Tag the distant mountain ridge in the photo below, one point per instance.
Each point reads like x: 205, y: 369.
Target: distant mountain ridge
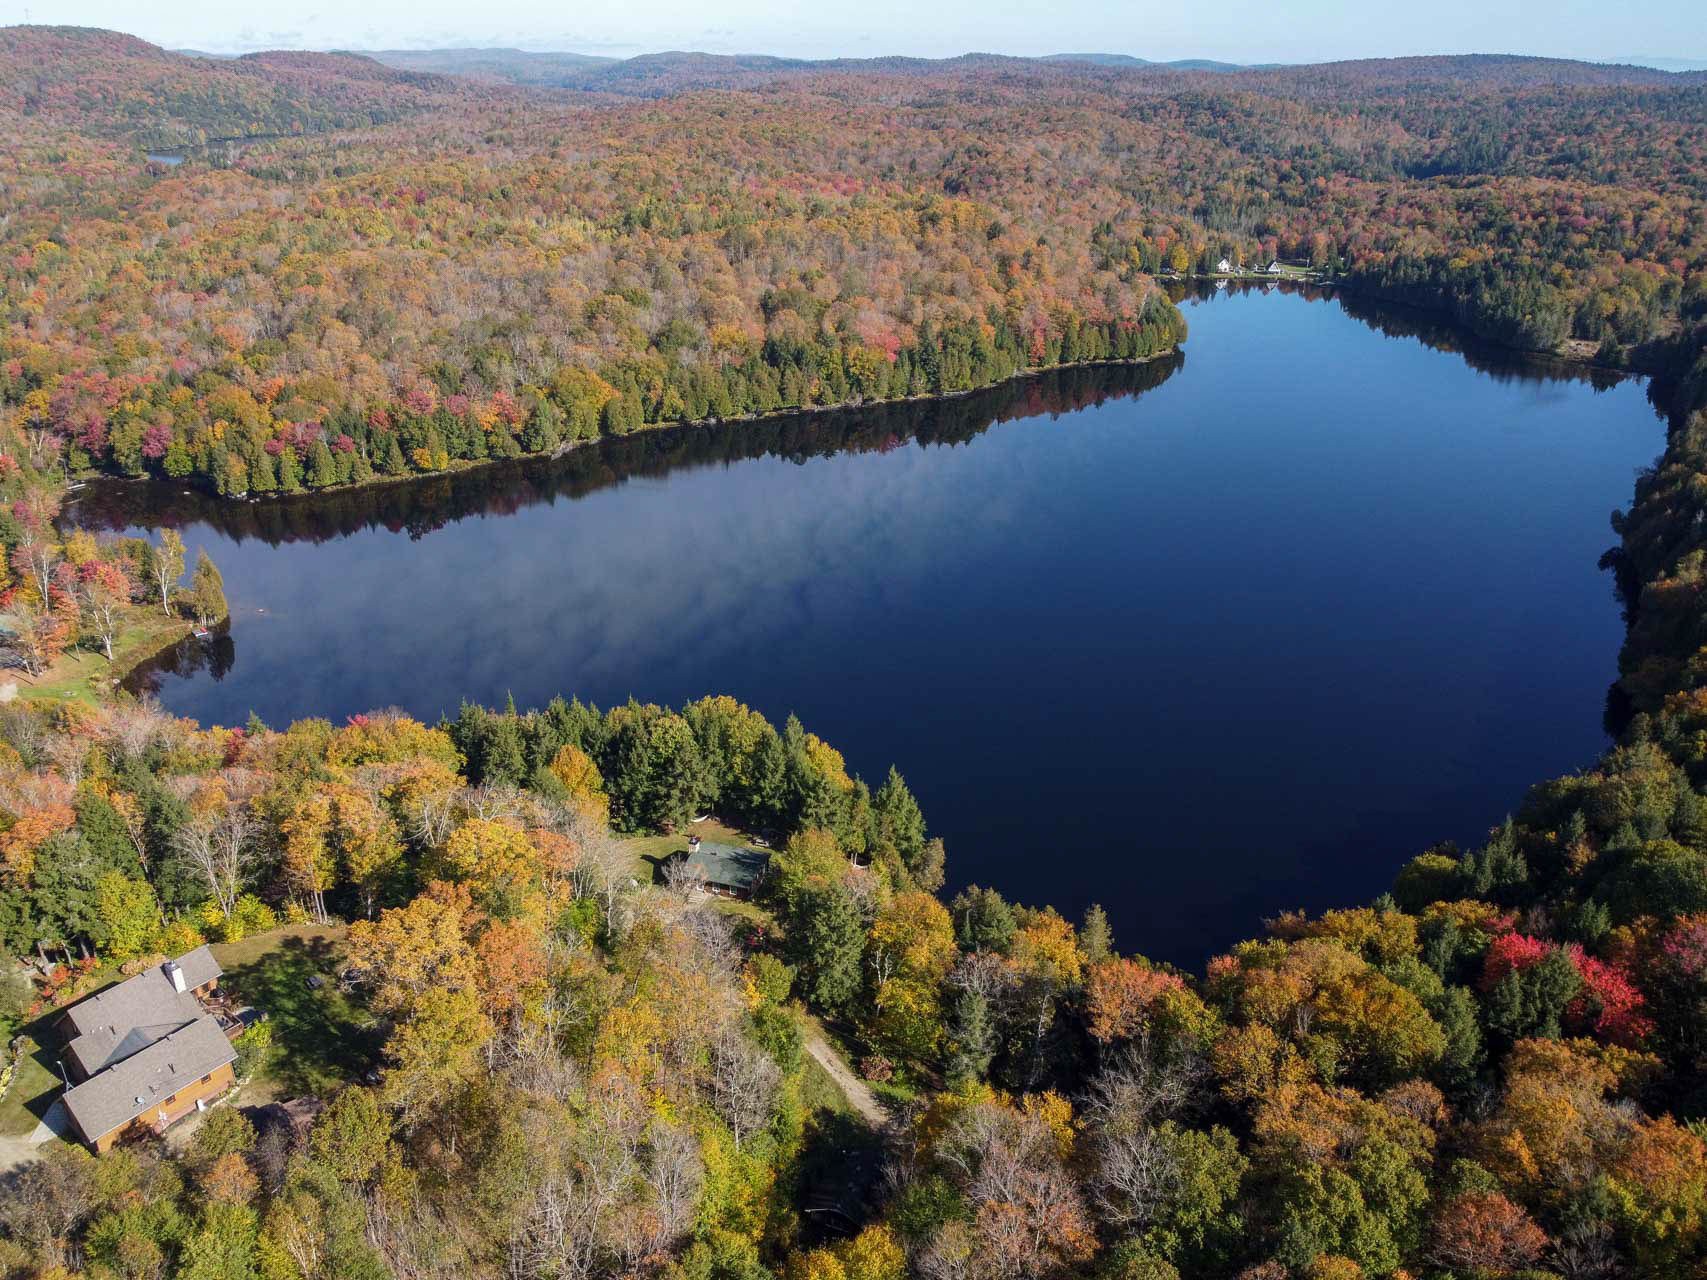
x: 1178, y: 64
x: 653, y: 74
x: 110, y: 84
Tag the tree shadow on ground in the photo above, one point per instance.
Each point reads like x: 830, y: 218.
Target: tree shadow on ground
x: 321, y: 1036
x: 839, y: 1176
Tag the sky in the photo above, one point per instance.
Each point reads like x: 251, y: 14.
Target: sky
x: 1657, y: 31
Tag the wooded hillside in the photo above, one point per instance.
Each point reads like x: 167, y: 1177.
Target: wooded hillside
x: 392, y: 272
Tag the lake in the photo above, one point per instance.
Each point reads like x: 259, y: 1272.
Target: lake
x: 1199, y: 640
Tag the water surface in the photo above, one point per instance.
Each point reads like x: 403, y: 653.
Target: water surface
x: 1200, y: 641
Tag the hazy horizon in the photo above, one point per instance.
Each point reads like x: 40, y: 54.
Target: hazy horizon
x: 1240, y: 31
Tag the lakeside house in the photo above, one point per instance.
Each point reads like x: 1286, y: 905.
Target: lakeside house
x: 1224, y: 266
x: 1274, y: 268
x: 728, y: 870
x: 146, y: 1053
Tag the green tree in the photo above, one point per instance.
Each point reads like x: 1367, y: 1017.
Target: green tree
x: 206, y: 599
x: 1096, y: 938
x: 129, y: 915
x: 899, y: 818
x: 290, y: 471
x: 972, y: 1037
x: 322, y: 467
x: 983, y: 920
x: 826, y: 945
x: 352, y: 1136
x: 1531, y: 1002
x: 656, y: 777
x: 223, y: 1247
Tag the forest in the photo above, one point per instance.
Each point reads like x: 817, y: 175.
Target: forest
x: 344, y: 271
x: 517, y: 1044
x: 1498, y: 1069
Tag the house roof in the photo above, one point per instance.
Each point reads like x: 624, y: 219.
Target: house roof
x: 146, y: 1079
x: 199, y: 966
x: 728, y: 866
x: 125, y: 1019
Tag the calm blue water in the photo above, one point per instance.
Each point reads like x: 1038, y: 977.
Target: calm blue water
x: 1241, y: 640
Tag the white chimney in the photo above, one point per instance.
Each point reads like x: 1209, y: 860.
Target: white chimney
x: 174, y: 975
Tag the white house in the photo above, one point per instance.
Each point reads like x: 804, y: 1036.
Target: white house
x: 1223, y: 266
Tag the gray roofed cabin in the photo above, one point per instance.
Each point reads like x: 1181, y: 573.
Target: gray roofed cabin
x: 127, y: 1018
x: 163, y: 1083
x: 147, y: 1051
x: 733, y: 871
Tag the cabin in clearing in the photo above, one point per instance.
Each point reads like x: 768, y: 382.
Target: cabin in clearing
x: 731, y: 871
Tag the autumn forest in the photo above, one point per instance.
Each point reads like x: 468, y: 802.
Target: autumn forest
x: 507, y: 1035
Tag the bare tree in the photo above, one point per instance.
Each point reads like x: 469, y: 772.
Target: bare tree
x: 166, y: 566
x: 744, y: 1082
x: 558, y: 1234
x: 102, y: 602
x: 676, y: 1173
x: 221, y: 846
x: 1587, y: 1251
x: 683, y: 879
x: 433, y: 819
x: 39, y: 553
x: 493, y: 803
x: 133, y: 731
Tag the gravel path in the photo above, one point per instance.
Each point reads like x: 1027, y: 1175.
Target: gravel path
x: 858, y: 1092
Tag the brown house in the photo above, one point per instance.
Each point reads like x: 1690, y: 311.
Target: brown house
x: 146, y: 1053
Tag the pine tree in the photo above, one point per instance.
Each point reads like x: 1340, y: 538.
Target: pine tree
x: 263, y: 474
x: 971, y: 1038
x: 544, y: 429
x: 1096, y: 939
x: 290, y: 471
x: 900, y: 820
x: 322, y: 467
x: 828, y: 943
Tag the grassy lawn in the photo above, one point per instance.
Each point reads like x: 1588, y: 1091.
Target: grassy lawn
x: 81, y: 675
x: 321, y: 1037
x: 37, y: 1083
x: 819, y: 1092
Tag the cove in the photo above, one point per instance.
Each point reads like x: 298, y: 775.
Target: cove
x: 1201, y: 640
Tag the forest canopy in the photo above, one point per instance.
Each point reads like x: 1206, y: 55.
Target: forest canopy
x: 511, y: 1034
x: 358, y: 271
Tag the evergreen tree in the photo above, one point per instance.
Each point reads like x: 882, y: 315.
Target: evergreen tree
x: 1530, y: 1003
x: 971, y: 1038
x: 322, y: 467
x: 983, y: 920
x: 899, y: 818
x: 263, y: 472
x: 290, y: 471
x: 544, y: 429
x: 1096, y: 939
x: 826, y: 942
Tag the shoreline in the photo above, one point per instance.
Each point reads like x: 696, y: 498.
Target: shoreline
x: 1577, y: 352
x: 111, y: 679
x: 1575, y: 359
x: 463, y: 465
